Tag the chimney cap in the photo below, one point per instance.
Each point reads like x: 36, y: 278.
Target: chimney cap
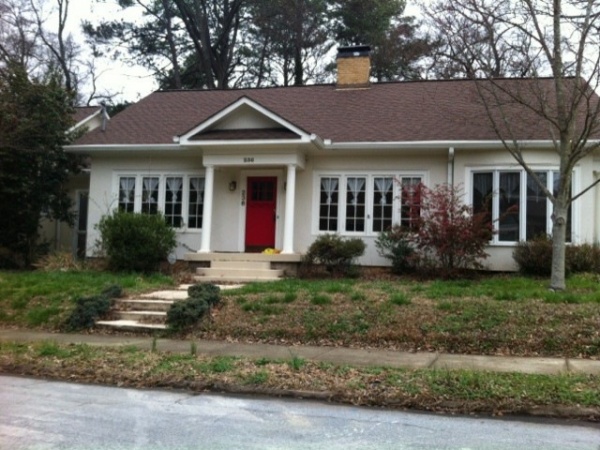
x: 354, y: 51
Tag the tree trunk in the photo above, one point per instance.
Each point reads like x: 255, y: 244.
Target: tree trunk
x: 559, y: 233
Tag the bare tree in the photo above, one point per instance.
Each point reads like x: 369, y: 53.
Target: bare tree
x: 555, y: 38
x: 213, y: 27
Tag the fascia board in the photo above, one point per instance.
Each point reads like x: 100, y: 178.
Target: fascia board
x: 122, y: 147
x: 82, y: 123
x: 474, y: 145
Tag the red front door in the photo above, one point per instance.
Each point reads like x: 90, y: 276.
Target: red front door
x: 261, y: 213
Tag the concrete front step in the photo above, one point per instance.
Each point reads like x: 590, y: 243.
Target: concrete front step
x: 248, y: 265
x: 130, y: 325
x: 166, y: 295
x: 253, y: 274
x: 142, y: 316
x: 230, y: 279
x: 143, y: 305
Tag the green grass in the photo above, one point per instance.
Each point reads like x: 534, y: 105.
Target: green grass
x: 454, y: 390
x: 399, y: 299
x: 42, y: 299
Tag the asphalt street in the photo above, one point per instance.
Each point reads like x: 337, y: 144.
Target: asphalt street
x: 38, y: 414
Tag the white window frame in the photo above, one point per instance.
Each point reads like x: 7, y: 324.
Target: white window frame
x: 369, y: 193
x: 496, y: 170
x: 162, y: 176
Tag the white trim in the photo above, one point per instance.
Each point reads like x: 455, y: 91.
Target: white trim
x: 244, y: 101
x: 247, y: 160
x: 436, y: 145
x: 82, y: 123
x: 122, y: 147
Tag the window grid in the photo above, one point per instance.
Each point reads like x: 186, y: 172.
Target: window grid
x: 328, y: 204
x: 178, y: 197
x: 355, y: 204
x: 174, y: 201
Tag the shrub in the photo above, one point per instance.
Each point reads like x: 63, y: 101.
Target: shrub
x: 185, y: 314
x: 583, y: 258
x: 394, y: 244
x: 89, y: 309
x: 210, y: 293
x: 86, y: 311
x: 136, y: 242
x: 335, y: 253
x: 534, y: 257
x: 445, y: 233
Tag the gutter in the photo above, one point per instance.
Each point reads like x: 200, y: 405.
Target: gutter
x: 99, y: 148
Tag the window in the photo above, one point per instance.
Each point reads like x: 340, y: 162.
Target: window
x: 179, y: 197
x: 328, y: 204
x: 365, y: 203
x: 127, y: 194
x: 355, y: 204
x: 174, y: 201
x: 515, y: 203
x: 150, y: 187
x: 410, y: 203
x: 196, y: 202
x: 383, y: 200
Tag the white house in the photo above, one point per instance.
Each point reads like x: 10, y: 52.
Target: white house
x: 242, y: 170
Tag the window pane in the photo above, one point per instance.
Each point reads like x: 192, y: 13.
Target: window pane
x: 355, y: 204
x: 126, y: 194
x: 174, y: 201
x: 509, y: 200
x: 328, y: 203
x: 196, y: 202
x: 150, y: 195
x: 483, y: 188
x: 537, y: 206
x: 383, y: 199
x: 556, y: 179
x: 410, y: 207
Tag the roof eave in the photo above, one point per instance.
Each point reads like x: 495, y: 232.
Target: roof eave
x: 435, y: 145
x: 102, y: 148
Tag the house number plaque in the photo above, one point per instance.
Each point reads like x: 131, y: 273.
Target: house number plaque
x: 248, y: 159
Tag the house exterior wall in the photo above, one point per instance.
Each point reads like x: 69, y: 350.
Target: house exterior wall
x: 229, y: 210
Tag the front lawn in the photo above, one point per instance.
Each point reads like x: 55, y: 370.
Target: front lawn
x: 504, y: 315
x: 44, y: 299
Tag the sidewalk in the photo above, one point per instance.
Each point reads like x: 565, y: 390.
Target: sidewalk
x: 336, y: 355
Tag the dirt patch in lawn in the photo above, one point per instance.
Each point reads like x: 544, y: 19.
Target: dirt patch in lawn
x: 408, y: 317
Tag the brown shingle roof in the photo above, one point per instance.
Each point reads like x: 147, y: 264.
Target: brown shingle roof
x: 388, y: 112
x: 83, y: 112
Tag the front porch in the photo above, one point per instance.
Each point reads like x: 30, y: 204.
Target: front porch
x: 233, y: 267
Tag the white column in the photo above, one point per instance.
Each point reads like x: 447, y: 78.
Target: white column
x: 290, y: 206
x: 209, y: 181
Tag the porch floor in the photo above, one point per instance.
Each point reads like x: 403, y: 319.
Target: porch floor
x: 232, y: 256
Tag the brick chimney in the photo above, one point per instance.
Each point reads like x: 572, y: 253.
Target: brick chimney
x: 353, y: 67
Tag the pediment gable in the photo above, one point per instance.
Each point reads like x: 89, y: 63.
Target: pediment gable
x: 244, y: 120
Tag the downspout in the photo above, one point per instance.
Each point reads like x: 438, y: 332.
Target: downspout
x: 596, y: 175
x: 451, y: 166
